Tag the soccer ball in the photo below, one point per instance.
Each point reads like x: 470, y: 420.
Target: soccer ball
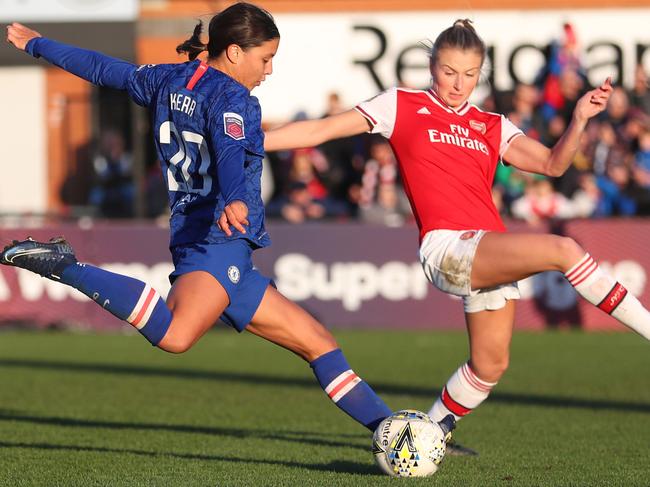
x: 410, y: 444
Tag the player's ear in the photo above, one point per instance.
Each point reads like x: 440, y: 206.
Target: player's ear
x: 233, y: 53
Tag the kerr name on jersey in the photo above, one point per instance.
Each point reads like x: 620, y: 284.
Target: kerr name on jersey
x: 458, y: 136
x: 182, y: 103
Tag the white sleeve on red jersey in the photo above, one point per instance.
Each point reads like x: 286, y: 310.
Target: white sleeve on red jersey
x: 509, y: 132
x: 380, y: 111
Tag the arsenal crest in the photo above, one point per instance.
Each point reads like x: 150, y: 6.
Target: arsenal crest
x: 233, y: 125
x: 480, y: 127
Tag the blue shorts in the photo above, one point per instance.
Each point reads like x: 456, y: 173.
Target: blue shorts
x: 229, y: 263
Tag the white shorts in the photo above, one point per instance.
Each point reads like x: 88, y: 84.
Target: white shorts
x: 447, y: 257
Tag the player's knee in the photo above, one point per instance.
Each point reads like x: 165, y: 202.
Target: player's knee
x: 490, y: 368
x: 568, y: 251
x: 176, y: 343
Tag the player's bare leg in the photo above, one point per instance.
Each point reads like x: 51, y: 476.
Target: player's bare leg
x: 196, y: 301
x: 502, y: 258
x: 490, y: 334
x: 284, y: 323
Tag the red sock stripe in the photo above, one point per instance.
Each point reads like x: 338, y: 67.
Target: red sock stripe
x: 453, y: 406
x: 582, y: 272
x: 613, y: 298
x: 343, y: 383
x: 470, y: 376
x: 572, y: 272
x: 144, y: 308
x: 588, y: 272
x: 200, y: 71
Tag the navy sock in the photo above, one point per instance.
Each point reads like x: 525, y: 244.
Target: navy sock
x: 348, y: 391
x: 127, y: 298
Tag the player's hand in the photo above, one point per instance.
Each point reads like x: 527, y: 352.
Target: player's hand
x: 593, y: 102
x: 19, y: 35
x: 235, y: 214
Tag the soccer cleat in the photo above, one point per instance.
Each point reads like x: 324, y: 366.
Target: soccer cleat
x: 47, y: 259
x: 448, y: 424
x: 456, y: 450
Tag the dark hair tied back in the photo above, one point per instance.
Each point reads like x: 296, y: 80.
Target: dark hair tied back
x: 243, y: 24
x: 193, y: 46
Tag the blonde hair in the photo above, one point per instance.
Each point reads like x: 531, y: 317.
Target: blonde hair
x: 460, y: 35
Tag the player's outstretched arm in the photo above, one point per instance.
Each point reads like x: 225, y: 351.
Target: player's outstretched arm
x: 92, y: 66
x: 529, y: 155
x: 310, y: 133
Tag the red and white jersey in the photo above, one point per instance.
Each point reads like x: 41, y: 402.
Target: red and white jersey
x: 447, y: 157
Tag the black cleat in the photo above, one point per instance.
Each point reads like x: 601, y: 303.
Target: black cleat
x: 47, y: 259
x: 456, y: 450
x: 448, y: 424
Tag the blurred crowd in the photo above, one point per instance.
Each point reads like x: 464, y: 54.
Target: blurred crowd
x: 357, y: 178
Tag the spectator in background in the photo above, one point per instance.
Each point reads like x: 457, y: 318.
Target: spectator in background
x: 306, y: 197
x: 642, y: 160
x: 640, y: 93
x: 381, y: 168
x: 345, y: 159
x: 298, y: 205
x: 524, y: 113
x: 388, y: 207
x: 541, y: 202
x: 588, y: 199
x: 616, y: 186
x: 617, y: 113
x: 113, y: 190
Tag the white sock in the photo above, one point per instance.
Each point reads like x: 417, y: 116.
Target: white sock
x: 610, y: 296
x: 463, y: 392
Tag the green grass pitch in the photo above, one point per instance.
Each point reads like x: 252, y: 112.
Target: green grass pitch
x: 110, y: 410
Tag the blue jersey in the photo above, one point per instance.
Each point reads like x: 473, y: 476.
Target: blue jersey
x: 207, y: 131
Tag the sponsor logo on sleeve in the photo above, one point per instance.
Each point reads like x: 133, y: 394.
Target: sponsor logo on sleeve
x: 233, y: 125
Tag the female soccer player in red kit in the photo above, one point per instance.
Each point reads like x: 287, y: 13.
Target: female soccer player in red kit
x: 448, y: 151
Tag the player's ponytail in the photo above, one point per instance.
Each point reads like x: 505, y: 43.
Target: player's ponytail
x: 461, y: 35
x: 243, y: 24
x: 193, y: 46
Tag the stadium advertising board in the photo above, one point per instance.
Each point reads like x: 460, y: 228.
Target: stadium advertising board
x: 347, y: 275
x: 358, y: 54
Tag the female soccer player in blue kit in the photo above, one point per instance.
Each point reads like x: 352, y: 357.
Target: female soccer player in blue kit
x: 210, y: 143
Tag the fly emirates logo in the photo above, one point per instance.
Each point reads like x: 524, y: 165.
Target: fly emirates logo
x: 459, y: 136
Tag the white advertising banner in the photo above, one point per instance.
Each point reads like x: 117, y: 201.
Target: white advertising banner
x: 68, y: 10
x: 358, y: 54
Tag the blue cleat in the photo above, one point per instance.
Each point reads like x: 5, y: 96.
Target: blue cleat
x: 47, y: 259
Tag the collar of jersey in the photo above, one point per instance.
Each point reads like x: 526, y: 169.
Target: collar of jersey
x: 462, y: 110
x: 221, y: 73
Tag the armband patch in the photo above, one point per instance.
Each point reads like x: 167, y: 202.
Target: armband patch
x: 233, y: 125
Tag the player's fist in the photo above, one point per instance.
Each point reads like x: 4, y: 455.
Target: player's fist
x: 19, y: 35
x: 235, y: 214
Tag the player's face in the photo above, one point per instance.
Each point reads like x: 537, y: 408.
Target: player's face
x: 455, y: 74
x: 257, y: 63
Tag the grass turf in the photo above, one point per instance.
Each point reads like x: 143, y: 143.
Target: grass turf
x: 573, y: 410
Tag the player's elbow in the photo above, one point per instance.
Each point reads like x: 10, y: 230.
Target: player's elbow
x: 555, y: 172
